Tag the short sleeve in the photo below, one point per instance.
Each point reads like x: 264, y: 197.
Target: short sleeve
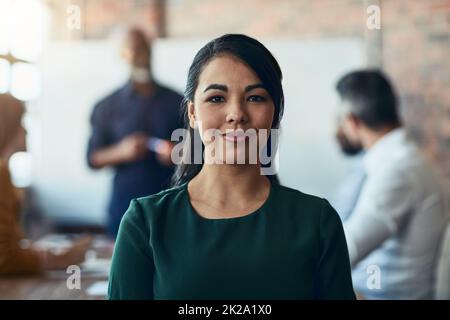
x: 132, y: 267
x: 333, y: 274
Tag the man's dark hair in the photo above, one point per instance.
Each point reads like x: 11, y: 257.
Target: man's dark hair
x: 372, y: 97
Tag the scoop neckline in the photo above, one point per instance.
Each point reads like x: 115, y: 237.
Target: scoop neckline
x: 247, y: 216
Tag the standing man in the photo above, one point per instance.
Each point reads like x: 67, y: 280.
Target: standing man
x: 131, y: 130
x: 395, y: 229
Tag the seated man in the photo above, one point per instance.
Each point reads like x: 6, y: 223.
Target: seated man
x: 348, y: 193
x: 395, y: 230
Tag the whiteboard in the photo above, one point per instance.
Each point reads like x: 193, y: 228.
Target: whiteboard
x: 76, y: 75
x: 309, y: 158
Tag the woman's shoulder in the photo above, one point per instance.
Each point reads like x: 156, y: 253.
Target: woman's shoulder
x: 159, y: 202
x: 147, y: 209
x: 294, y: 195
x: 306, y: 203
x: 162, y: 196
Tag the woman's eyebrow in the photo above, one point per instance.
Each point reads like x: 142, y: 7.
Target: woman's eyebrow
x: 216, y: 87
x: 222, y: 87
x: 254, y: 86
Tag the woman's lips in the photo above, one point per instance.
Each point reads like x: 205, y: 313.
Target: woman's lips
x: 236, y: 136
x: 233, y: 138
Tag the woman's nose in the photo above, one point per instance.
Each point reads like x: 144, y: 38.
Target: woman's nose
x: 237, y: 113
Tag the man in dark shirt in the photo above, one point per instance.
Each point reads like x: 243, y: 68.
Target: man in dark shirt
x: 131, y: 130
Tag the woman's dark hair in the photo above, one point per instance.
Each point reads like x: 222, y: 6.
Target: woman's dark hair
x: 373, y: 99
x: 259, y: 59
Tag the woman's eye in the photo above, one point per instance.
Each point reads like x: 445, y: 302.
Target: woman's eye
x: 216, y: 99
x: 256, y: 99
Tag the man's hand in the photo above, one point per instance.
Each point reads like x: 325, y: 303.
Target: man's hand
x: 132, y: 147
x: 164, y: 153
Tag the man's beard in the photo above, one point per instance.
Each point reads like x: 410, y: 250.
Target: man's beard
x: 348, y: 147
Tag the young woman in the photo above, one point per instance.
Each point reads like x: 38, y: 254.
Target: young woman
x: 17, y: 254
x: 225, y: 231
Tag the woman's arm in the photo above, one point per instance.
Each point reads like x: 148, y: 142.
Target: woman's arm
x: 132, y: 266
x: 16, y: 256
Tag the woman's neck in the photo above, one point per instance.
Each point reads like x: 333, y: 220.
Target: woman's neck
x: 225, y: 184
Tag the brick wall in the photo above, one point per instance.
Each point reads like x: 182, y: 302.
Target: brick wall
x: 416, y: 53
x: 99, y: 18
x: 265, y: 17
x: 413, y: 45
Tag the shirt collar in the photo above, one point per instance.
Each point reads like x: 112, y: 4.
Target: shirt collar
x: 128, y: 89
x: 386, y: 146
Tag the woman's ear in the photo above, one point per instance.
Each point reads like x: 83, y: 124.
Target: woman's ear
x: 191, y: 115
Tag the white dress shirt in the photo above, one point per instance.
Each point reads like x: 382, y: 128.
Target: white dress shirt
x: 348, y: 192
x: 395, y: 230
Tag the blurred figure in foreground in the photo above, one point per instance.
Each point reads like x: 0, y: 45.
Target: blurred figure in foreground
x: 17, y: 254
x: 131, y: 130
x: 395, y: 229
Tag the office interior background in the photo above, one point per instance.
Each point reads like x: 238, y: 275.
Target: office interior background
x: 61, y: 56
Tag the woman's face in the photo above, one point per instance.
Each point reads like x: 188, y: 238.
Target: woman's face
x: 18, y: 141
x: 230, y: 99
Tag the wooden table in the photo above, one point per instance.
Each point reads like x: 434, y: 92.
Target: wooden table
x: 43, y: 288
x: 53, y: 285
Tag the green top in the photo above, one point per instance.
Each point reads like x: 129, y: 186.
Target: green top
x: 292, y: 247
